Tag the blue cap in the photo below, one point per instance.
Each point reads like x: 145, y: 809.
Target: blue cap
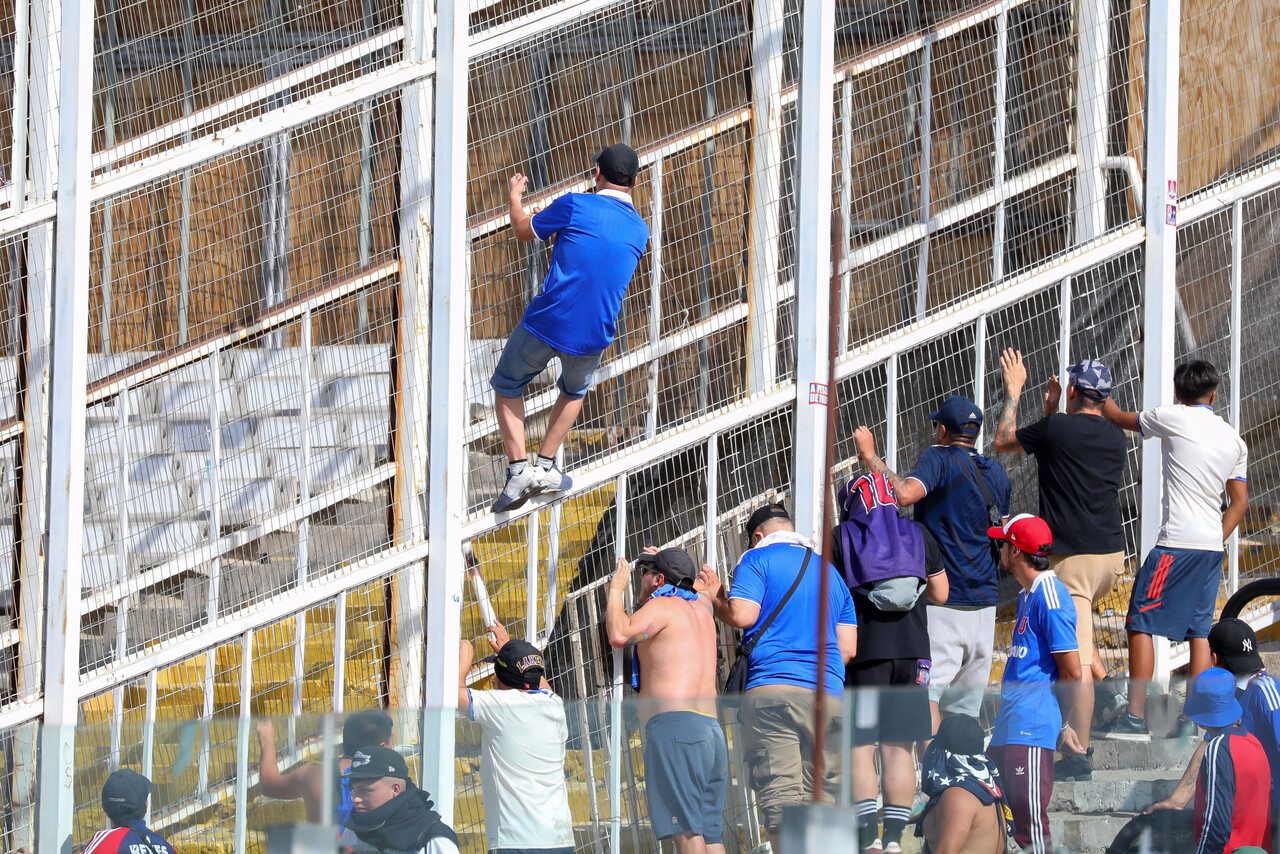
x: 1090, y: 375
x: 1212, y: 701
x: 955, y: 412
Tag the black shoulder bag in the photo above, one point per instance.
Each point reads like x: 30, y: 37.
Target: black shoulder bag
x: 735, y: 682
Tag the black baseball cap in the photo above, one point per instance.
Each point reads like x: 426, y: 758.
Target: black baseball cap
x: 619, y: 163
x: 955, y: 412
x: 763, y: 514
x: 124, y: 795
x: 374, y: 763
x: 1234, y: 642
x: 675, y: 565
x: 519, y: 664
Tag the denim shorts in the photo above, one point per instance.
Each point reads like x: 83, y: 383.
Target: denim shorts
x: 526, y: 355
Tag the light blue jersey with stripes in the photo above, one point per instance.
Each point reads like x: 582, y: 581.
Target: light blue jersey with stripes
x: 1045, y: 624
x: 1261, y: 702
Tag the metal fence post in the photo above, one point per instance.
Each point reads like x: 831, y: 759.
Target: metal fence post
x: 767, y: 36
x: 412, y: 352
x: 1236, y: 368
x: 70, y: 339
x: 1160, y: 286
x: 450, y: 319
x: 813, y: 260
x: 1091, y: 118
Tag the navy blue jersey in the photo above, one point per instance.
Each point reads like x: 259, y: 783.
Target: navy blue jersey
x: 1261, y: 702
x: 137, y: 838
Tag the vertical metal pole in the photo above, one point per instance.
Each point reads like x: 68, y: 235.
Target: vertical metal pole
x: 712, y: 556
x: 450, y: 327
x: 553, y: 566
x: 531, y: 576
x: 813, y: 260
x: 243, y: 731
x: 1160, y: 212
x: 364, y: 227
x: 42, y: 130
x: 1064, y: 341
x: 304, y: 469
x: 891, y: 412
x: 340, y: 654
x: 1001, y: 128
x: 711, y: 61
x: 655, y: 291
x: 1236, y: 368
x: 213, y: 473
x: 149, y: 731
x: 56, y: 817
x: 615, y: 691
x: 202, y: 762
x: 980, y: 370
x: 1091, y: 118
x: 926, y: 168
x: 109, y: 139
x: 21, y: 65
x: 184, y: 179
x: 846, y: 209
x: 413, y: 351
x: 767, y: 36
x: 299, y: 684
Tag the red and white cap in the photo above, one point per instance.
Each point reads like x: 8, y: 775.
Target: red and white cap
x: 1027, y: 532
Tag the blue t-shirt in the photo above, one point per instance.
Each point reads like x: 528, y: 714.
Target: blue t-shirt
x: 955, y: 512
x: 786, y: 653
x: 599, y: 241
x: 1261, y: 702
x: 1046, y: 623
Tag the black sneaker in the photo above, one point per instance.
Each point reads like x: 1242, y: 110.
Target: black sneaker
x: 1078, y: 767
x: 1125, y: 727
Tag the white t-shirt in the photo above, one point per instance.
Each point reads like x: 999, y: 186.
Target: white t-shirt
x: 1200, y: 452
x: 523, y: 735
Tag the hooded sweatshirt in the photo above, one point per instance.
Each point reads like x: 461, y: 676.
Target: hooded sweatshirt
x: 406, y: 823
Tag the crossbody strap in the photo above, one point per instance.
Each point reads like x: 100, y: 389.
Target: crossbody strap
x: 993, y: 512
x: 804, y: 566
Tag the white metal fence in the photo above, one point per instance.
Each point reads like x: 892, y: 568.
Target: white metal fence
x: 247, y: 341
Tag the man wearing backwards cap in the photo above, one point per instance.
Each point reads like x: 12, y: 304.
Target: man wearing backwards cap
x: 1080, y: 461
x: 599, y: 239
x: 951, y: 505
x: 1029, y: 726
x: 1232, y: 792
x: 686, y: 759
x: 391, y: 813
x: 523, y: 732
x: 778, y: 726
x: 124, y: 800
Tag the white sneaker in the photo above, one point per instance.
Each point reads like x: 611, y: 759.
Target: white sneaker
x: 518, y: 489
x: 893, y: 848
x: 551, y: 480
x: 874, y: 846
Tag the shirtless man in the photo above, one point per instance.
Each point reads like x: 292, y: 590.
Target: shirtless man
x: 685, y: 754
x: 963, y: 786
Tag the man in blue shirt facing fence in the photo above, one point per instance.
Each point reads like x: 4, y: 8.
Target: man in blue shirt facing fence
x: 599, y: 239
x: 1030, y: 726
x: 124, y: 800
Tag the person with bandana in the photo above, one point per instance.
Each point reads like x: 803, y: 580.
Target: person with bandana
x: 389, y: 812
x: 685, y: 755
x: 966, y: 811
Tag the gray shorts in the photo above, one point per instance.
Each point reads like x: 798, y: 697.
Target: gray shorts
x: 686, y: 765
x: 960, y: 643
x: 526, y: 355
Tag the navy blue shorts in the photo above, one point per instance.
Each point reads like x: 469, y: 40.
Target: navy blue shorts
x: 526, y: 355
x: 686, y: 765
x: 1175, y: 593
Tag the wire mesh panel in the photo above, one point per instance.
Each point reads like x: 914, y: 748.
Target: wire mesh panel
x: 168, y: 70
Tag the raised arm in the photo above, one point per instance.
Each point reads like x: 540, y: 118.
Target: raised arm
x: 521, y: 222
x: 301, y: 782
x: 466, y: 655
x: 627, y: 630
x: 1117, y: 416
x: 1015, y: 377
x: 738, y: 613
x: 905, y: 490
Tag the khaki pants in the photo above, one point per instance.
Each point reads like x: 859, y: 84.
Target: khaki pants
x: 1088, y: 578
x: 778, y: 737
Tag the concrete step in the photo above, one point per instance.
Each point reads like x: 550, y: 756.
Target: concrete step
x: 1126, y: 790
x: 1159, y: 753
x: 1085, y: 833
